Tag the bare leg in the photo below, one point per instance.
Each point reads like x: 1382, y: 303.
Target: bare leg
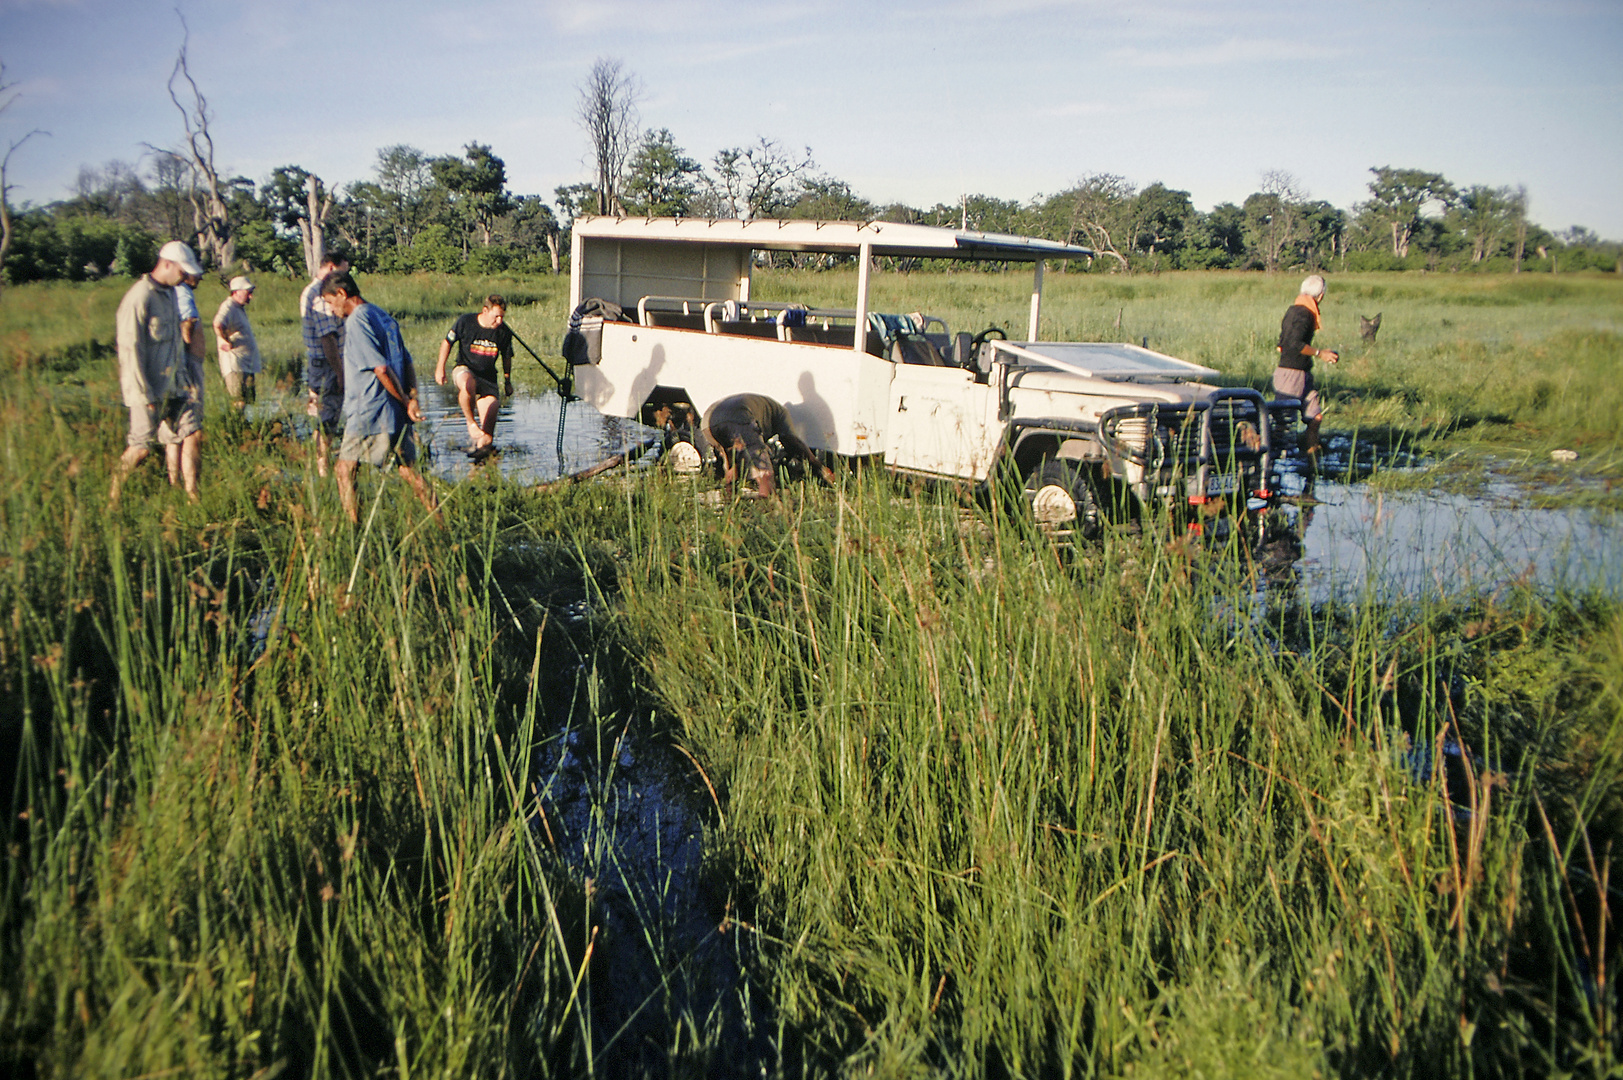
x: 1310, y: 439
x: 171, y: 458
x: 191, y: 453
x: 465, y: 398
x: 127, y: 462
x: 346, y: 488
x: 487, y: 416
x: 323, y: 448
x: 420, y: 486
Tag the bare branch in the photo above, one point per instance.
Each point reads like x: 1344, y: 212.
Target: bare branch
x: 607, y: 110
x: 5, y: 164
x: 209, y: 212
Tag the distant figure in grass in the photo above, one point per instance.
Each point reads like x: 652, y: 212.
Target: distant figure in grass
x: 480, y: 340
x: 738, y: 427
x: 380, y: 393
x: 186, y: 457
x: 1293, y: 378
x: 152, y: 373
x: 323, y: 357
x: 234, y: 341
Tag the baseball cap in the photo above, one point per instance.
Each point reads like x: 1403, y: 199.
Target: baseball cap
x: 181, y: 255
x: 239, y: 283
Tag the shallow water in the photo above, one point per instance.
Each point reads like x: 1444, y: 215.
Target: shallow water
x: 526, y: 436
x: 1412, y: 544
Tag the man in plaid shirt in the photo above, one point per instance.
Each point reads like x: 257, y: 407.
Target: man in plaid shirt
x: 323, y: 351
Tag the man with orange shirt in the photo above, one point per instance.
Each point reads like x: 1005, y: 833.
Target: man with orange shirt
x: 1293, y: 378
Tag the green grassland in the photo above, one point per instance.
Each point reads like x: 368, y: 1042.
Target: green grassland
x: 975, y: 804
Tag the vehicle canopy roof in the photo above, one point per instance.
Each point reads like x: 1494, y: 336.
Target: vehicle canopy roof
x: 883, y: 238
x: 626, y: 258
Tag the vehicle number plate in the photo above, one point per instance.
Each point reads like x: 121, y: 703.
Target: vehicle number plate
x: 1222, y: 484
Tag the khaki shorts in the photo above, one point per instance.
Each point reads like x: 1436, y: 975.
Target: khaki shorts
x: 164, y: 423
x: 1293, y: 382
x: 381, y: 450
x: 326, y: 394
x: 239, y: 384
x: 479, y: 386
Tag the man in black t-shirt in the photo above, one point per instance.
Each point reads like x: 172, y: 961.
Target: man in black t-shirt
x: 481, y: 340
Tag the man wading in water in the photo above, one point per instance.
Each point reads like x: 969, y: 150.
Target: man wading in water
x: 380, y: 394
x: 480, y: 340
x: 1293, y: 378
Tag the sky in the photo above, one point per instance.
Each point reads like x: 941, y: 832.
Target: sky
x: 905, y: 100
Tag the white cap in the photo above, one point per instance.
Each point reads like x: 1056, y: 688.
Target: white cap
x: 181, y: 256
x: 239, y: 283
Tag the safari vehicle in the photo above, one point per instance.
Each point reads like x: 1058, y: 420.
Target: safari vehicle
x: 1085, y: 426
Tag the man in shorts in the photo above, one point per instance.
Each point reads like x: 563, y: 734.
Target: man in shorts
x: 380, y: 394
x: 739, y: 426
x: 1293, y: 378
x: 323, y: 353
x: 165, y: 405
x: 480, y: 340
x: 234, y: 341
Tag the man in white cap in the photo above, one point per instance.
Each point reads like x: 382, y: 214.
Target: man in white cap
x: 1293, y: 378
x: 234, y: 338
x: 164, y: 407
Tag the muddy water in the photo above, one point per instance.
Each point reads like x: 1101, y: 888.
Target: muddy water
x: 526, y: 436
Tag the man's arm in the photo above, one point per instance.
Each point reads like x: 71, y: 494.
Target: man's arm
x: 193, y: 340
x: 406, y: 397
x: 439, y: 367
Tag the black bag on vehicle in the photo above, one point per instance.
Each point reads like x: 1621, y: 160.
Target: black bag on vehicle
x: 583, y: 341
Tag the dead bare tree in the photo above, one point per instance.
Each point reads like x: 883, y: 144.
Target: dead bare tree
x: 608, y: 111
x: 209, y: 214
x: 8, y: 95
x: 312, y: 228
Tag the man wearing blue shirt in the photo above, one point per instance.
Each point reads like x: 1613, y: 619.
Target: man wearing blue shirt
x: 380, y: 394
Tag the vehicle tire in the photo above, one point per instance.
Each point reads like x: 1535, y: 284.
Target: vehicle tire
x: 1059, y: 493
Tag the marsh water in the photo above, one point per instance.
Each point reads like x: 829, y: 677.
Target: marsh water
x: 1351, y: 535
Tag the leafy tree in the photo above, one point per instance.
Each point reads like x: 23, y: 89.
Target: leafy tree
x: 1485, y: 217
x: 1273, y: 219
x: 661, y: 180
x: 826, y: 199
x: 1215, y: 240
x: 1399, y: 198
x: 1160, y: 219
x: 1098, y: 212
x: 405, y: 175
x: 575, y: 200
x: 762, y: 180
x: 475, y: 187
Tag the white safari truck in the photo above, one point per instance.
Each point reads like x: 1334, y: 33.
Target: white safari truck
x: 1087, y: 427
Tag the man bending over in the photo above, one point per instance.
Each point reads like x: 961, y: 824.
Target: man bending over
x: 739, y: 427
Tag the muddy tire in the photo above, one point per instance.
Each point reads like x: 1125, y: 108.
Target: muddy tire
x: 1060, y: 494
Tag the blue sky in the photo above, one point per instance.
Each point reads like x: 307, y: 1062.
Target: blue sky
x: 907, y: 101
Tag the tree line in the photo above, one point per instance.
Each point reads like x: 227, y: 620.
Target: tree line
x: 455, y: 212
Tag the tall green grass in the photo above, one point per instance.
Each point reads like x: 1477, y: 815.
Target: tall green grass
x: 980, y: 804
